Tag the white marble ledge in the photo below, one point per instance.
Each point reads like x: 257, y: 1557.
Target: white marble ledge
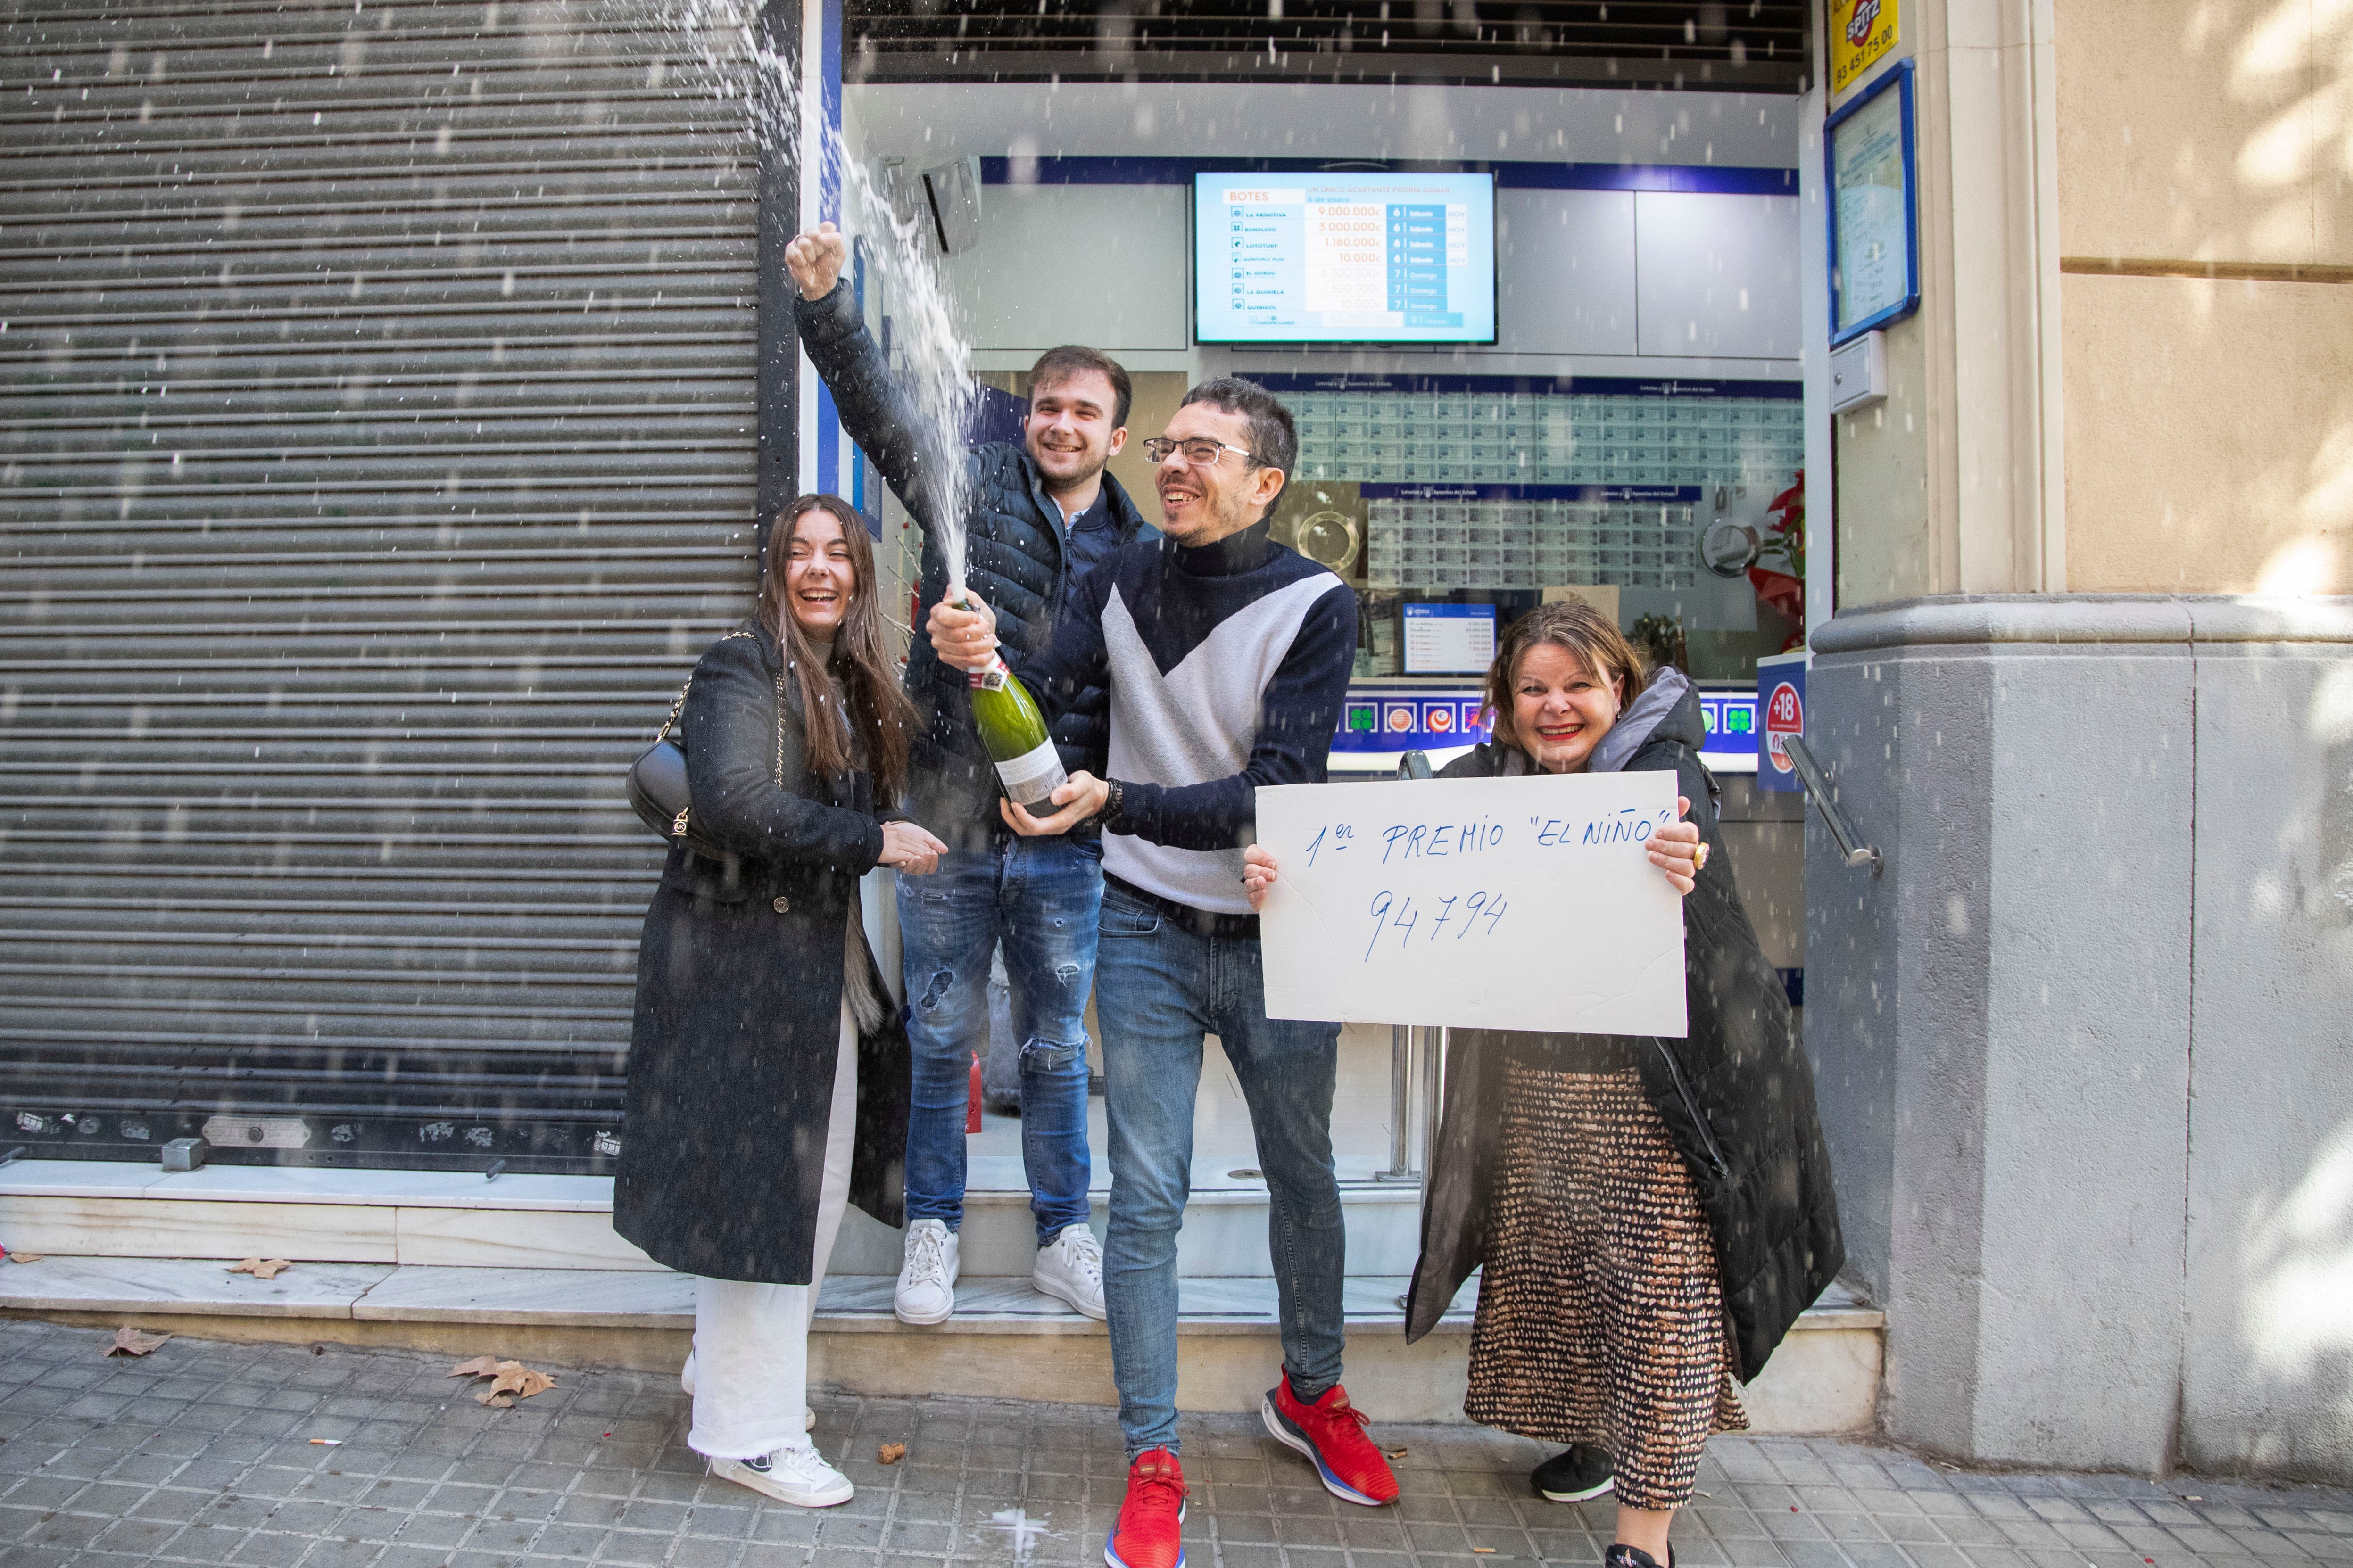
x: 1001, y: 1179
x: 76, y: 1178
x: 862, y: 1303
x: 469, y: 1190
x: 636, y: 1299
x: 305, y: 1184
x: 178, y: 1285
x: 1208, y: 1193
x: 1840, y: 1307
x: 651, y: 1298
x: 548, y: 1298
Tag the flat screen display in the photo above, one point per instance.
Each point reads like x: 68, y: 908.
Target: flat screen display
x: 1344, y: 258
x: 1449, y: 639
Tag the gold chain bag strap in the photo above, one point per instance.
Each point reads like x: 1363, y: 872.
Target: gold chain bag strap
x: 656, y: 780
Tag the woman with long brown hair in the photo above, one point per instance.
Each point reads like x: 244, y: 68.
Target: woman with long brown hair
x: 768, y: 1072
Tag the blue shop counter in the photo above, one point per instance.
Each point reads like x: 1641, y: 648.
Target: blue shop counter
x: 1382, y: 719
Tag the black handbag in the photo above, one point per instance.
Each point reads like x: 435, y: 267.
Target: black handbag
x: 657, y: 782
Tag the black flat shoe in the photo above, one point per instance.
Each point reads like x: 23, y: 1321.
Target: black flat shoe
x: 1622, y: 1555
x: 1578, y: 1475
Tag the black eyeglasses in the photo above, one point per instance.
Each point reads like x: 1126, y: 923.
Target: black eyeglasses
x: 1199, y: 450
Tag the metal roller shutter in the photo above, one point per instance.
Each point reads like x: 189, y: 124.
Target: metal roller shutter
x: 376, y: 454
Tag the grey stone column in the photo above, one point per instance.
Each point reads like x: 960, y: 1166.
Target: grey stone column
x: 2085, y: 1045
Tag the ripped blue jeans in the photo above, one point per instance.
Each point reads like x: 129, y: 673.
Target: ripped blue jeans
x: 1042, y: 898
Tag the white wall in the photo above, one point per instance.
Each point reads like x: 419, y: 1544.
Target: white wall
x: 1589, y: 282
x: 1201, y: 119
x: 1718, y: 274
x: 1565, y: 271
x: 1101, y: 264
x: 1579, y: 273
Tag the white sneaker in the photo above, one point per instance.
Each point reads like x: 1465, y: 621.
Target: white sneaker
x: 686, y: 1382
x: 1069, y: 1269
x: 926, y: 1292
x: 796, y: 1475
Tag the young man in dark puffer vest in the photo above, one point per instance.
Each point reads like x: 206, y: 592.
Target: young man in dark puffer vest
x: 1039, y: 515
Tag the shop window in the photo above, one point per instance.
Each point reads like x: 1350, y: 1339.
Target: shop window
x: 1495, y: 489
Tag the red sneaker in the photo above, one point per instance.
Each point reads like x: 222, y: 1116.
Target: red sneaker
x: 1330, y: 1433
x: 1150, y: 1532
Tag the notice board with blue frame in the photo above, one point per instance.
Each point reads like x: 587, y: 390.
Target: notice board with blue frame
x: 1875, y: 207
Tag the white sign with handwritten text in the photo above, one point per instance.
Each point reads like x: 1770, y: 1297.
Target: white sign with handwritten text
x: 1521, y: 903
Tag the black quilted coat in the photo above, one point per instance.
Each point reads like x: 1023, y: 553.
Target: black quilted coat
x: 732, y: 1052
x: 1017, y: 557
x: 1737, y: 1097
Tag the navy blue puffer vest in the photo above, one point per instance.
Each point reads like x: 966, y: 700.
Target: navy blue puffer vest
x: 1017, y: 557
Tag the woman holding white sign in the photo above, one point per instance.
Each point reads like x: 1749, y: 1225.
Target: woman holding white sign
x: 1651, y: 1215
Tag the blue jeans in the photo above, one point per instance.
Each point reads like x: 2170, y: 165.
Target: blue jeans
x: 1040, y: 896
x: 1159, y: 989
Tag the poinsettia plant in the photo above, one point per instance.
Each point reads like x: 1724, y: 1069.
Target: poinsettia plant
x: 1782, y: 585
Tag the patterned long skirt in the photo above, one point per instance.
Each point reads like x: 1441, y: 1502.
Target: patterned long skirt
x: 1601, y: 1313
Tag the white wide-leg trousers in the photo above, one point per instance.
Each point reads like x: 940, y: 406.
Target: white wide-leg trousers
x: 749, y: 1368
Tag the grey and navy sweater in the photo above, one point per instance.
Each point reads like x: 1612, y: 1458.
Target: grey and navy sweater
x: 1228, y: 665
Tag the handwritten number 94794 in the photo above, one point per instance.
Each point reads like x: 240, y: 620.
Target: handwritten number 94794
x: 1456, y: 915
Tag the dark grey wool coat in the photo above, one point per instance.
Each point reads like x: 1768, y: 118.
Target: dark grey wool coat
x: 1736, y: 1095
x: 733, y: 1054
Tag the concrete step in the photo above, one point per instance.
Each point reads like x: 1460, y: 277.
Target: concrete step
x: 456, y: 1219
x: 1825, y: 1378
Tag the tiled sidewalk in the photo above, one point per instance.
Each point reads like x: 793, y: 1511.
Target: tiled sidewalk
x: 202, y: 1453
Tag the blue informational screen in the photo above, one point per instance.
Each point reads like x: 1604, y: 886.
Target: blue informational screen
x: 1449, y: 639
x: 1344, y: 258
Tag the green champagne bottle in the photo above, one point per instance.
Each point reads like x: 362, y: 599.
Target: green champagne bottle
x: 1013, y: 730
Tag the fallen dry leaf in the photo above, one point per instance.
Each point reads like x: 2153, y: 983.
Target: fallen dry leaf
x: 130, y: 1341
x: 262, y: 1268
x: 521, y: 1382
x: 892, y: 1453
x: 26, y: 1256
x: 510, y: 1381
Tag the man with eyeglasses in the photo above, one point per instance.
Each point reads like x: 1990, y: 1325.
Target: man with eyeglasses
x: 1227, y: 657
